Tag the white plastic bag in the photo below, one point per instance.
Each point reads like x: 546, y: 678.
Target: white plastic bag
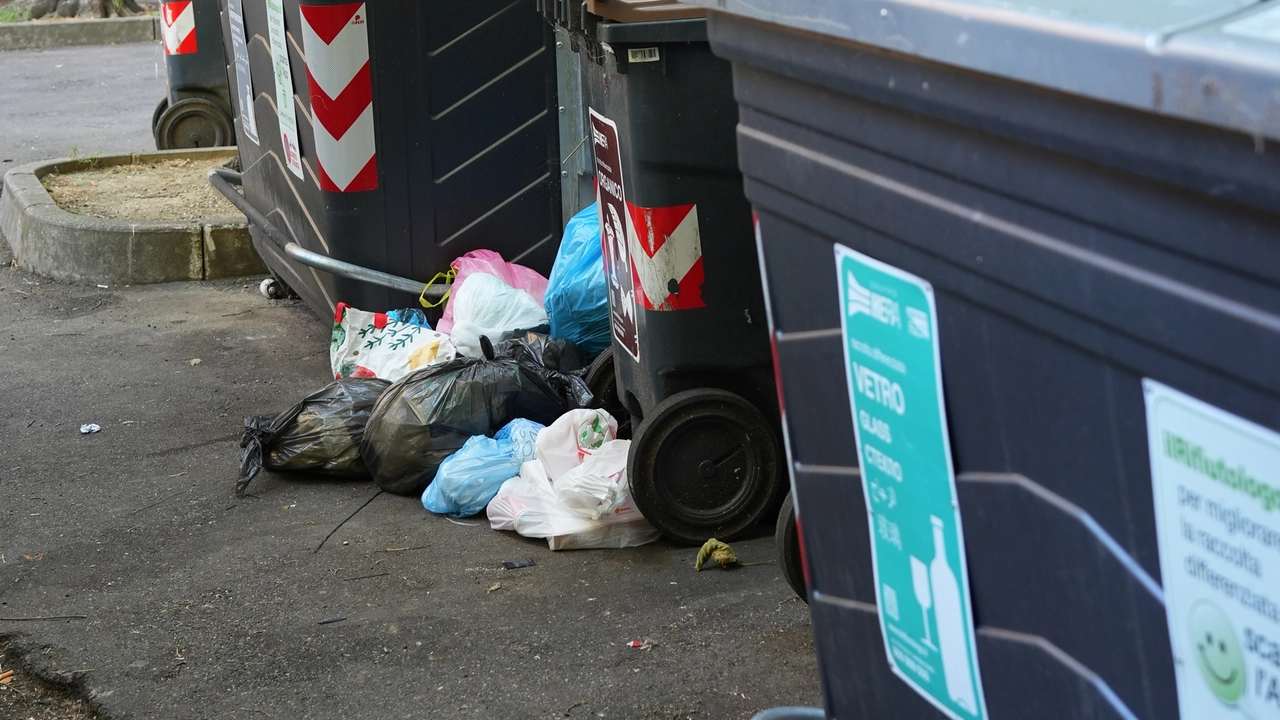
x: 367, y: 345
x: 598, y: 486
x: 565, y: 443
x: 488, y: 306
x: 528, y: 505
x: 519, y: 494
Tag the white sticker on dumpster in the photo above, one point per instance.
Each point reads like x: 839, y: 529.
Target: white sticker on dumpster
x: 240, y: 71
x: 1216, y: 482
x: 644, y: 55
x: 284, y: 86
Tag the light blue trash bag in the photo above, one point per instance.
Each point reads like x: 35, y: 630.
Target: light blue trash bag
x: 577, y: 299
x: 468, y: 479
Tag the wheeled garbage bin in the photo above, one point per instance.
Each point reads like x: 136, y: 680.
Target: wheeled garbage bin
x: 394, y: 136
x: 1023, y: 271
x: 196, y: 112
x: 691, y: 350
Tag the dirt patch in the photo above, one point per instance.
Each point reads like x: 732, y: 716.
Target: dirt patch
x: 26, y: 696
x: 170, y: 190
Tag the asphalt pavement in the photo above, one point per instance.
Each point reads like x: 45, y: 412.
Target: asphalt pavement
x: 131, y: 572
x: 90, y: 99
x: 185, y: 601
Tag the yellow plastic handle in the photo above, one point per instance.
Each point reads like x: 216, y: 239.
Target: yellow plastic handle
x: 448, y: 278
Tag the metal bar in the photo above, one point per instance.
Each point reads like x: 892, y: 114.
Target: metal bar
x: 223, y: 181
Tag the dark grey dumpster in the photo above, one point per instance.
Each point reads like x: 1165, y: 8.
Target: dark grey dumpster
x: 395, y: 136
x: 1088, y: 192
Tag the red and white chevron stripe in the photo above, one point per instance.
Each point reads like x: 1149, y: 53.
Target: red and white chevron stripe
x: 666, y: 256
x: 335, y: 39
x: 178, y: 26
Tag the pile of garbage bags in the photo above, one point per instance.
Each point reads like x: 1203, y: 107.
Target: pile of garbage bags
x: 429, y: 414
x: 488, y: 411
x: 574, y: 492
x: 566, y: 483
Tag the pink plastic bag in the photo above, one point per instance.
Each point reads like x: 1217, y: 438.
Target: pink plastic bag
x: 491, y: 263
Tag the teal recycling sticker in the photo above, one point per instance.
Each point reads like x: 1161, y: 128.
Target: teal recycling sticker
x: 890, y: 332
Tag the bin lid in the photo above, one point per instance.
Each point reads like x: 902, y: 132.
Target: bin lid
x: 663, y: 31
x: 1212, y: 61
x: 643, y: 10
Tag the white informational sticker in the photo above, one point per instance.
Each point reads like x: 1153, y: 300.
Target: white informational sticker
x: 1216, y: 480
x: 644, y: 55
x: 240, y: 68
x: 284, y: 86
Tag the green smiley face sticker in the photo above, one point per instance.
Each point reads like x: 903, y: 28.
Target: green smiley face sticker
x: 1217, y: 651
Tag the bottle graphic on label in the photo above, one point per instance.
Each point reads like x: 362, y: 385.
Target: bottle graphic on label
x: 949, y: 616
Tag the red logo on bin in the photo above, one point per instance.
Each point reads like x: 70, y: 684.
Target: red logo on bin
x: 335, y: 39
x: 178, y: 27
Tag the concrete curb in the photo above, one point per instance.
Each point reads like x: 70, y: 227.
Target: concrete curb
x: 37, y: 34
x: 50, y: 241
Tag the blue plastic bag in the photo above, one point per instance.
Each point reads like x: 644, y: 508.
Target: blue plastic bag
x: 468, y: 479
x: 577, y: 299
x: 409, y: 316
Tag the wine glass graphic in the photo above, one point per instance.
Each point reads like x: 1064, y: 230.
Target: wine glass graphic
x: 920, y: 580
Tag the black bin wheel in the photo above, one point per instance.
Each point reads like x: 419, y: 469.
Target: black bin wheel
x: 786, y: 541
x: 193, y: 123
x: 705, y: 463
x: 602, y: 378
x: 155, y: 119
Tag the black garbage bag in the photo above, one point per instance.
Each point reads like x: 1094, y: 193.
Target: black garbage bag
x: 321, y: 434
x: 553, y: 353
x: 427, y: 416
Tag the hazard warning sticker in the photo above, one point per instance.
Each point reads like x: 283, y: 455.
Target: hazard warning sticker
x: 614, y: 234
x: 666, y: 256
x: 178, y: 27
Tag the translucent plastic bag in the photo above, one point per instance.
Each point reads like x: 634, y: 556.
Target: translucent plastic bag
x: 321, y: 434
x: 528, y: 505
x: 429, y: 415
x: 577, y: 299
x: 490, y: 307
x: 468, y: 479
x: 490, y: 263
x: 598, y: 486
x: 572, y: 437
